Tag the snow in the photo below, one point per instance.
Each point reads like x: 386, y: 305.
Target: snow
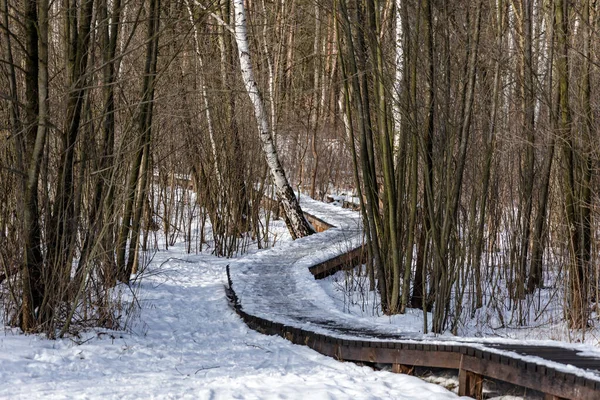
x: 277, y: 285
x: 186, y: 342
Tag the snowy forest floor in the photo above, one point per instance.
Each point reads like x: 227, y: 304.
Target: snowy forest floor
x: 184, y: 341
x: 539, y: 316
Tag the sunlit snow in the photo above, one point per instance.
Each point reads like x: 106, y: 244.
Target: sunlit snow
x: 187, y: 342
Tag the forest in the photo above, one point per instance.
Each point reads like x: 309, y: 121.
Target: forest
x: 466, y: 131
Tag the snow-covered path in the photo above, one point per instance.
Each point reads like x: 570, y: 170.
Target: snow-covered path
x: 277, y: 285
x: 188, y: 343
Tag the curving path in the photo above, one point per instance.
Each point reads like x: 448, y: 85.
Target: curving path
x: 275, y: 293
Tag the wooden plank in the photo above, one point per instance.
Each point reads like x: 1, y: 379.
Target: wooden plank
x: 519, y: 375
x: 542, y: 370
x: 408, y: 357
x: 470, y: 384
x: 317, y: 223
x: 344, y: 261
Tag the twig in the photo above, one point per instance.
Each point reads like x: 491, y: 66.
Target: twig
x: 216, y: 17
x: 205, y: 368
x: 257, y: 347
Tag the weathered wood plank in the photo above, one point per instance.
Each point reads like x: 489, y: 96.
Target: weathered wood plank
x: 517, y: 374
x: 344, y: 261
x: 470, y: 384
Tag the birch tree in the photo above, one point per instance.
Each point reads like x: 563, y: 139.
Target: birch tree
x: 295, y: 220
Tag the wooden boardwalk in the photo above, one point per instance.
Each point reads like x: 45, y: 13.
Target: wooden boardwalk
x: 272, y: 293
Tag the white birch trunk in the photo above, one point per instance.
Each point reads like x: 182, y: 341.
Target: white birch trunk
x: 344, y: 114
x: 297, y: 224
x: 398, y: 76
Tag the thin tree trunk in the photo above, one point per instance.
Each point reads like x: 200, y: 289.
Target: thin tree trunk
x: 369, y: 201
x: 450, y: 219
x: 315, y: 103
x: 103, y: 190
x: 386, y: 143
x: 64, y: 222
x: 535, y: 279
x: 36, y: 96
x: 528, y: 124
x: 204, y: 94
x: 137, y: 180
x: 242, y: 212
x: 491, y: 146
x: 577, y: 313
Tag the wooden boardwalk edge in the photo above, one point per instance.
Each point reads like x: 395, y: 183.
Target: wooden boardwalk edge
x: 346, y: 261
x: 473, y: 363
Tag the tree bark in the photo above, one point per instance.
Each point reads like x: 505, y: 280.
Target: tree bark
x: 136, y: 189
x: 535, y: 278
x: 576, y: 210
x: 297, y: 223
x: 37, y: 102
